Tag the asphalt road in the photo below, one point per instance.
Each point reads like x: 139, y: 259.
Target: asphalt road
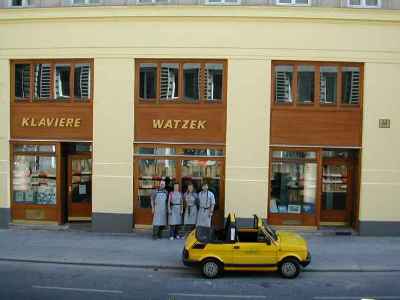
x: 54, y: 281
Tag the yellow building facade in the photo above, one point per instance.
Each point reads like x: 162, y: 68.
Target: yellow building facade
x: 250, y: 41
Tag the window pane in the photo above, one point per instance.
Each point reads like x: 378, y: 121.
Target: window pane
x: 283, y: 84
x: 355, y: 2
x: 22, y: 80
x: 191, y: 77
x: 334, y: 187
x: 293, y: 187
x: 16, y: 2
x: 148, y: 81
x: 62, y: 83
x: 203, y: 152
x: 156, y: 151
x: 81, y: 180
x: 214, y: 77
x: 305, y: 84
x: 328, y: 85
x: 371, y: 2
x: 35, y: 148
x: 169, y: 81
x: 301, y: 1
x: 42, y: 81
x: 285, y: 1
x: 351, y: 85
x: 294, y: 155
x: 34, y: 179
x: 82, y: 82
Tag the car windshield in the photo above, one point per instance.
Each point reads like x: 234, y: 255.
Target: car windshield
x: 204, y: 234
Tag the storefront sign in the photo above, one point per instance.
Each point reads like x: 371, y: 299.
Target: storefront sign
x: 179, y: 124
x: 50, y: 122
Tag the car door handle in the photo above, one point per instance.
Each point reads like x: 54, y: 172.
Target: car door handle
x: 236, y: 247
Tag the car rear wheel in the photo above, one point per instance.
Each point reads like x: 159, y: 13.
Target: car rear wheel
x: 289, y: 268
x: 211, y: 268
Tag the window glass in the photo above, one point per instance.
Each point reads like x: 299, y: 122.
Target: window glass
x: 34, y: 179
x: 191, y: 81
x: 351, y: 85
x: 294, y: 155
x: 82, y: 82
x: 156, y: 151
x: 283, y: 84
x: 42, y: 83
x: 338, y: 153
x: 35, y: 148
x: 169, y: 81
x: 293, y: 187
x: 214, y: 77
x: 355, y: 2
x: 203, y: 152
x: 305, y: 84
x: 83, y: 147
x: 334, y: 187
x: 328, y: 85
x: 81, y: 180
x: 148, y: 81
x: 22, y: 80
x: 62, y: 81
x: 371, y: 2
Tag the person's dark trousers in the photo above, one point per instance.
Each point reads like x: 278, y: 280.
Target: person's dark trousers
x: 172, y: 231
x: 157, y: 232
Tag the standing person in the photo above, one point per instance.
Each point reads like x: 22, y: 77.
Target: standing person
x: 175, y: 209
x: 159, y: 201
x: 206, y: 207
x: 191, y: 199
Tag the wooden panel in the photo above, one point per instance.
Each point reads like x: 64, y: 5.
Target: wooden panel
x: 35, y: 212
x: 70, y: 121
x: 292, y: 219
x: 180, y: 123
x: 316, y: 127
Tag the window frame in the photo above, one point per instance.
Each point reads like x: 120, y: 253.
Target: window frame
x: 363, y: 4
x: 52, y: 62
x: 296, y: 104
x: 180, y: 100
x: 294, y: 3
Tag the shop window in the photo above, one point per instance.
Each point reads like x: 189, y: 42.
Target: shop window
x: 293, y: 184
x: 328, y: 84
x: 191, y: 81
x: 351, y: 85
x: 364, y: 3
x: 305, y: 84
x: 155, y: 151
x: 283, y: 84
x: 293, y: 2
x: 223, y: 2
x: 203, y: 152
x: 294, y: 155
x: 34, y: 175
x: 148, y: 81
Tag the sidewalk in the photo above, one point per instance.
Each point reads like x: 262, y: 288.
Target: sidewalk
x: 329, y: 253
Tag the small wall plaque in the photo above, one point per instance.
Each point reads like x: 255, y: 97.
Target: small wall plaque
x: 384, y: 123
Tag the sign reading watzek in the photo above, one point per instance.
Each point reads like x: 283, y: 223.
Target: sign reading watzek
x: 51, y: 122
x: 179, y: 124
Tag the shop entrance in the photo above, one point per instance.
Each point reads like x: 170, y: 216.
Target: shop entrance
x: 177, y: 165
x: 79, y: 187
x: 338, y: 188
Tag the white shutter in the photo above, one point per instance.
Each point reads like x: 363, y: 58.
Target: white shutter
x: 42, y: 81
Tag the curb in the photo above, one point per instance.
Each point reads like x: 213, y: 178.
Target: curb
x: 183, y: 268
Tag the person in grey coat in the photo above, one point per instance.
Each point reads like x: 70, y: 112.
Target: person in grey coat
x: 206, y: 207
x: 191, y: 199
x: 159, y: 200
x: 175, y: 210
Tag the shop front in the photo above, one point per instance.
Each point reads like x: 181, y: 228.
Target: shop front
x: 51, y: 140
x: 180, y: 125
x: 316, y: 121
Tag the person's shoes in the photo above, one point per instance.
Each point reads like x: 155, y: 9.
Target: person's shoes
x: 171, y: 238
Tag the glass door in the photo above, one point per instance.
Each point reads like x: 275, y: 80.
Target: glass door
x: 79, y: 187
x: 336, y: 199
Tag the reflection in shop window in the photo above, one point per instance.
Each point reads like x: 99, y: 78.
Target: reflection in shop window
x: 42, y: 84
x: 203, y: 152
x: 283, y: 84
x: 35, y: 148
x: 148, y: 81
x: 82, y: 82
x: 305, y: 83
x: 156, y: 151
x: 214, y: 77
x: 293, y: 187
x: 351, y: 85
x: 294, y: 155
x: 34, y: 179
x: 169, y: 81
x: 62, y: 81
x: 328, y: 85
x: 22, y: 81
x: 191, y: 81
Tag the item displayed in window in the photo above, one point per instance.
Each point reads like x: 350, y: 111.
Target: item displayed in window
x: 294, y: 209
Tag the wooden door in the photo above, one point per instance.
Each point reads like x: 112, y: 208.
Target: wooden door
x: 80, y: 187
x: 337, y: 192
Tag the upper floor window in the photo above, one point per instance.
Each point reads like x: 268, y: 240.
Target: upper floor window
x: 304, y: 83
x: 364, y: 3
x: 152, y: 1
x: 52, y: 80
x: 190, y: 81
x: 226, y: 2
x: 81, y: 2
x: 293, y: 2
x: 19, y: 3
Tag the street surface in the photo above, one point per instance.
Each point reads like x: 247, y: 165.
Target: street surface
x: 42, y: 281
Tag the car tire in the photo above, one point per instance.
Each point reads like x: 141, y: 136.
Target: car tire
x: 211, y: 268
x: 289, y: 268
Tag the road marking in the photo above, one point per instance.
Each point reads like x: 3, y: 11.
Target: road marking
x: 77, y: 289
x: 357, y: 298
x: 218, y: 296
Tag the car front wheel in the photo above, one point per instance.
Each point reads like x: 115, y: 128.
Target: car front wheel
x: 289, y: 268
x: 211, y: 268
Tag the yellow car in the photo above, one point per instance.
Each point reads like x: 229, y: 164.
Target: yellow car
x: 256, y: 248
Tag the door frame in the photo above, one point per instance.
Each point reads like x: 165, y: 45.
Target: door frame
x: 84, y: 211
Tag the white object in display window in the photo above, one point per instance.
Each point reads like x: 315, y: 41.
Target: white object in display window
x: 82, y: 189
x: 294, y: 209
